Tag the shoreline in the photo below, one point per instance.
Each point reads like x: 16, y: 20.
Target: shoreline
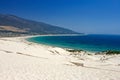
x: 21, y: 59
x: 55, y: 46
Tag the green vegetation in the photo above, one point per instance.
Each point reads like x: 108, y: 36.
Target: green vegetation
x: 112, y: 52
x: 108, y: 52
x: 73, y: 50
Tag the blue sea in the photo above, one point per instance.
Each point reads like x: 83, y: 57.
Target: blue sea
x: 91, y: 42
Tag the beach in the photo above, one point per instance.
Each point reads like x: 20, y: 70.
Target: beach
x: 23, y: 60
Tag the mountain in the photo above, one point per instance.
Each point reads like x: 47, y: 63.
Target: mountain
x: 18, y: 25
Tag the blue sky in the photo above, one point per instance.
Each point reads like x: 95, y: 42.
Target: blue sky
x: 87, y: 16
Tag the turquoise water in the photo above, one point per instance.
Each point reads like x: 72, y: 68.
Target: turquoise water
x: 92, y: 42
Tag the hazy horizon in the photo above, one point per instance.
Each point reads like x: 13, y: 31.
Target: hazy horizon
x: 84, y: 16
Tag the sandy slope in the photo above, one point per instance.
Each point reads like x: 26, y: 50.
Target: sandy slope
x: 22, y: 60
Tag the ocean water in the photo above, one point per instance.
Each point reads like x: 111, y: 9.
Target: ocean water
x: 92, y: 42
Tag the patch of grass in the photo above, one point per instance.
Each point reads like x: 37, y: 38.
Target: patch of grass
x: 89, y: 54
x: 112, y: 52
x: 108, y: 52
x: 73, y: 50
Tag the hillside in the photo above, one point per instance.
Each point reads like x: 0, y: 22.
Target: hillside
x: 17, y: 25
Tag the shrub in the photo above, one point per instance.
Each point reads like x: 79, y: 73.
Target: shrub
x: 112, y: 52
x: 73, y: 50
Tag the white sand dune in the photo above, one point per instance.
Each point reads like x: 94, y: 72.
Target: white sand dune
x: 22, y: 60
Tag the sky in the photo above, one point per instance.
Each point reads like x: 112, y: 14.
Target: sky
x: 85, y: 16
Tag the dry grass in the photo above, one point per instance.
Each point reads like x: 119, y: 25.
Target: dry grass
x: 11, y: 28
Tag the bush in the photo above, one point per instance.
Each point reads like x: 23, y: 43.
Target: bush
x: 73, y: 50
x: 112, y: 52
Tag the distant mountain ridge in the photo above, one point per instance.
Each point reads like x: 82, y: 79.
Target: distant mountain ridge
x: 14, y: 24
